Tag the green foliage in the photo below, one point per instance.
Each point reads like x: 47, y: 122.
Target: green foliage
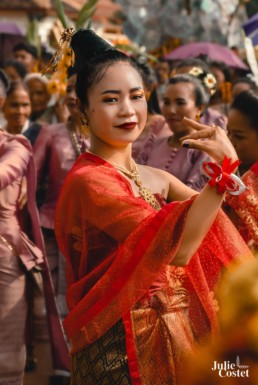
x: 84, y: 15
x: 133, y: 50
x: 32, y: 36
x: 61, y: 14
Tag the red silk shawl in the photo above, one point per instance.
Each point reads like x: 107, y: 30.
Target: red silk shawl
x: 116, y: 245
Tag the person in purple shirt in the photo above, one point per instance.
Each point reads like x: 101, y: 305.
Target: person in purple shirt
x: 185, y: 96
x: 210, y: 116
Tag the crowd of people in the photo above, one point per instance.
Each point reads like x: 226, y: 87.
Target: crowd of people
x: 122, y: 203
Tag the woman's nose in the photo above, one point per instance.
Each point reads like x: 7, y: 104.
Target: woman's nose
x: 127, y: 108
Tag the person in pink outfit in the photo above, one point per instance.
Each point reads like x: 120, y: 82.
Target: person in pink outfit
x: 18, y: 254
x: 55, y: 151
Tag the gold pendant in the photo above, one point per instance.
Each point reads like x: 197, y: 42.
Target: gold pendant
x: 149, y: 197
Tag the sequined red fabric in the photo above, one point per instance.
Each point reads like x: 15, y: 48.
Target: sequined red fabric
x: 246, y: 205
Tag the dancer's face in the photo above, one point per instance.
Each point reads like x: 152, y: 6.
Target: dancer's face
x: 117, y: 108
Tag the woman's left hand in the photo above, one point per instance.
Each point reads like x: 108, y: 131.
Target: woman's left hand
x: 212, y: 140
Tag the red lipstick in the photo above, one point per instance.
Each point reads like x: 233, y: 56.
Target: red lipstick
x: 128, y: 125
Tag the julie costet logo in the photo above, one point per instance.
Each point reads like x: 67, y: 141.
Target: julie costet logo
x: 231, y: 369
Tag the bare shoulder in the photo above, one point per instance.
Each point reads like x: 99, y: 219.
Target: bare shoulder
x: 174, y: 189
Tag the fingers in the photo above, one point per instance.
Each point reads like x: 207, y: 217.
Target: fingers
x: 193, y: 124
x: 207, y: 133
x: 198, y: 145
x: 197, y: 126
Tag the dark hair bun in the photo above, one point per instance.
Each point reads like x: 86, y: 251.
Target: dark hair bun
x: 86, y: 45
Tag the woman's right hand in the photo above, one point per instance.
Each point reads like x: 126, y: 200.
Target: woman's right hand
x: 212, y: 140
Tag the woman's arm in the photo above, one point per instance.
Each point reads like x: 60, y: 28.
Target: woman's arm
x: 14, y: 158
x: 204, y: 209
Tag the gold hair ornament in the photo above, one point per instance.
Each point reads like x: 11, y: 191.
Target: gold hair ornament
x: 84, y: 129
x: 62, y: 53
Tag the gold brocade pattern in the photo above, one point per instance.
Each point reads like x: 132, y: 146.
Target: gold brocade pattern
x: 163, y: 333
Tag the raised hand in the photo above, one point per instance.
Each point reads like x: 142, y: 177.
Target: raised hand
x: 210, y: 139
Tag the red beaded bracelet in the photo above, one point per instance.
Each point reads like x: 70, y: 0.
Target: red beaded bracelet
x: 222, y: 178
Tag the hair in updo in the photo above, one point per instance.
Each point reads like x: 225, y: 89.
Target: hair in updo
x: 93, y: 56
x: 202, y: 95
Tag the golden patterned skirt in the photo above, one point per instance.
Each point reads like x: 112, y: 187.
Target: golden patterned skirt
x: 163, y: 338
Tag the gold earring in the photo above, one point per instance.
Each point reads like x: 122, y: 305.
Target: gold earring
x: 197, y: 116
x: 147, y: 95
x: 84, y: 130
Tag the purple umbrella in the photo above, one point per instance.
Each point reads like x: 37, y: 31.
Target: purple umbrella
x: 214, y: 51
x: 9, y: 28
x: 251, y: 28
x: 10, y: 35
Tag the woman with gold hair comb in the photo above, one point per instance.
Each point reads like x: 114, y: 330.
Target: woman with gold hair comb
x: 143, y: 251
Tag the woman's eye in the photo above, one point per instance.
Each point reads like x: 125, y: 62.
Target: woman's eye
x: 110, y: 100
x: 136, y: 97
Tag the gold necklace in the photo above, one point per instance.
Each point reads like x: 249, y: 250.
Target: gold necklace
x: 144, y: 192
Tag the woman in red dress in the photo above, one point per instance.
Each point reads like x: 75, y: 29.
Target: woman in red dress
x: 141, y: 262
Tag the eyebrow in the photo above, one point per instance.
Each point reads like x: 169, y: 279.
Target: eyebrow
x: 119, y: 92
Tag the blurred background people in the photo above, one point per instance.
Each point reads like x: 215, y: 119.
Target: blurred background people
x: 15, y: 70
x: 44, y: 108
x: 4, y: 85
x: 17, y: 112
x: 209, y: 116
x: 162, y: 70
x: 221, y: 99
x: 185, y: 96
x: 242, y: 84
x: 55, y: 151
x: 17, y: 108
x: 155, y: 123
x: 28, y: 55
x: 18, y: 255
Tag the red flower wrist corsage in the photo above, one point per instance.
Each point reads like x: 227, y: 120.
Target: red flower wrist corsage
x: 222, y: 178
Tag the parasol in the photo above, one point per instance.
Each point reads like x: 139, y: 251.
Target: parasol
x: 215, y: 52
x: 10, y: 35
